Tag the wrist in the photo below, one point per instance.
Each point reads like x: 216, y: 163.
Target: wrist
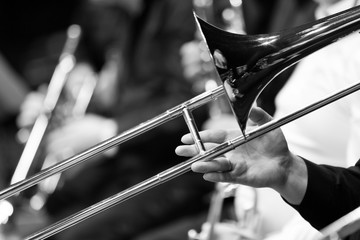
x: 294, y: 184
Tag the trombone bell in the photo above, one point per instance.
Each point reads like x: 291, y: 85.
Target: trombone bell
x: 246, y: 64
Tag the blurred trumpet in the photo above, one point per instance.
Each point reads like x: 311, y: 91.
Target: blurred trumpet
x: 65, y: 65
x: 77, y: 94
x: 68, y: 95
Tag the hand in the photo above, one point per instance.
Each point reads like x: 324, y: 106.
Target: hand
x: 34, y: 105
x: 80, y: 134
x: 31, y: 108
x: 262, y: 162
x: 190, y: 58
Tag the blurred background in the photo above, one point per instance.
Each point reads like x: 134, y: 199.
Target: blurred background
x: 75, y: 73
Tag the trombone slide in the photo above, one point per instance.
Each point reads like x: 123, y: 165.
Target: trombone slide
x: 184, y: 167
x: 112, y: 142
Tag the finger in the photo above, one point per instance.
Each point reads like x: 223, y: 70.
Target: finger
x: 186, y: 150
x: 215, y: 136
x: 259, y: 116
x: 220, y: 164
x: 191, y: 150
x: 218, y: 177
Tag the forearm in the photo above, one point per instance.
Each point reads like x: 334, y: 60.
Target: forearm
x: 294, y: 186
x: 331, y: 193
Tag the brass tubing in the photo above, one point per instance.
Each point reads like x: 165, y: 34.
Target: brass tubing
x: 112, y: 142
x: 63, y: 68
x: 184, y: 167
x: 190, y: 121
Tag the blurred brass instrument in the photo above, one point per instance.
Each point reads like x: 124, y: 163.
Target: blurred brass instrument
x: 246, y: 225
x: 55, y: 87
x: 76, y: 95
x: 67, y: 97
x: 246, y: 64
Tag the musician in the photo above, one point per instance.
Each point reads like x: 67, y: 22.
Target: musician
x: 318, y: 75
x: 322, y: 73
x: 320, y: 193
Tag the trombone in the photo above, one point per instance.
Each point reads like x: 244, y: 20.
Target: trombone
x: 246, y: 64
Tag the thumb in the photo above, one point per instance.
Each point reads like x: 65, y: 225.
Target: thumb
x: 259, y: 116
